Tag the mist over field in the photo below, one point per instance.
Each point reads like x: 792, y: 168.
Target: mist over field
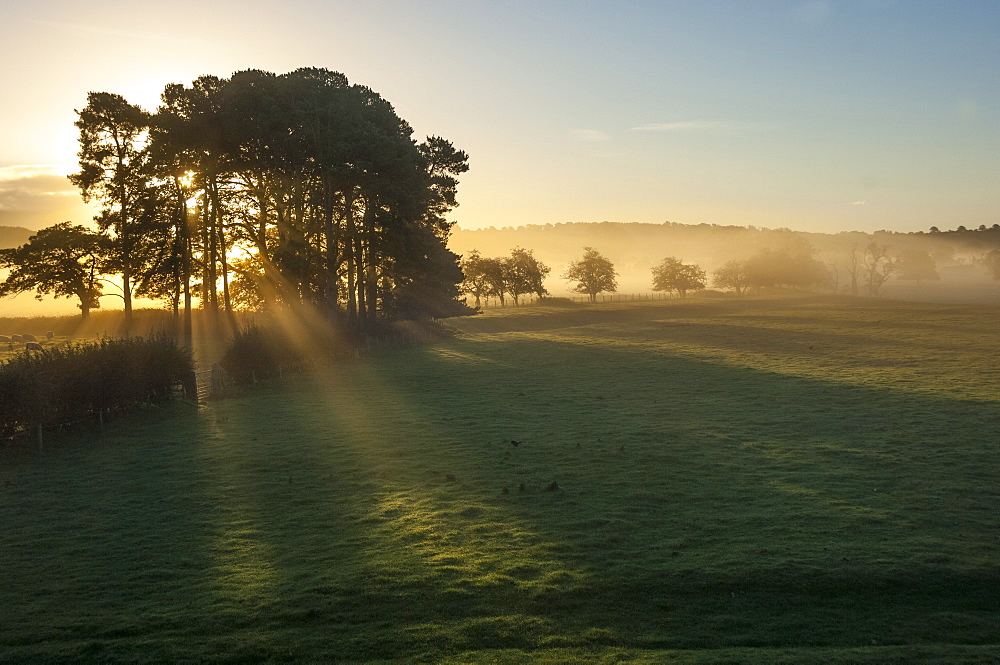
x: 801, y: 479
x: 313, y: 348
x: 635, y: 248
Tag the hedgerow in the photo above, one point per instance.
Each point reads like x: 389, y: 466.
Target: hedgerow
x: 69, y: 383
x: 256, y: 351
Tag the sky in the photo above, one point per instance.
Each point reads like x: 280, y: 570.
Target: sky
x: 808, y: 114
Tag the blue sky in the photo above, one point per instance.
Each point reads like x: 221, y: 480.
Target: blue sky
x: 813, y: 115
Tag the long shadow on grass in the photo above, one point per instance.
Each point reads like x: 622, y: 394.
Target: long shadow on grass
x: 828, y: 356
x: 536, y: 318
x: 361, y: 514
x: 104, y: 544
x: 716, y: 505
x: 350, y: 524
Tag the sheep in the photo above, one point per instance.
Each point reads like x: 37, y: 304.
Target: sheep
x: 15, y: 338
x: 49, y: 335
x: 32, y: 346
x: 29, y: 338
x: 5, y: 339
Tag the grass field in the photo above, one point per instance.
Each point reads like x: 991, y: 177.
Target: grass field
x: 765, y: 481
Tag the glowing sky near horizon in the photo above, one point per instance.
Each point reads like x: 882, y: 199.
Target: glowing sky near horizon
x: 818, y: 116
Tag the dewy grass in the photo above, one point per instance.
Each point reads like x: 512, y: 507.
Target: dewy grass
x: 723, y: 493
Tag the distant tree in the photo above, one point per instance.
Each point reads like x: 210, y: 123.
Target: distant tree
x: 475, y: 276
x: 878, y: 267
x: 995, y: 227
x: 935, y: 229
x: 992, y: 262
x: 792, y: 268
x: 917, y: 265
x: 982, y: 227
x: 593, y: 273
x: 525, y: 274
x: 62, y: 260
x: 732, y: 275
x: 673, y: 275
x: 961, y: 229
x: 496, y: 272
x: 854, y: 267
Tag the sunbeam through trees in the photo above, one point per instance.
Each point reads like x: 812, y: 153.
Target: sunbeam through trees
x: 273, y: 190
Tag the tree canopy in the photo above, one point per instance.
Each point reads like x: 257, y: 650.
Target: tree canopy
x: 525, y: 274
x: 61, y: 260
x: 732, y: 275
x: 992, y: 262
x: 594, y: 274
x: 917, y: 265
x: 316, y: 179
x: 673, y: 275
x: 787, y: 267
x: 515, y: 275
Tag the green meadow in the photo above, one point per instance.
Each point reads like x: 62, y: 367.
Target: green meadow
x: 802, y: 480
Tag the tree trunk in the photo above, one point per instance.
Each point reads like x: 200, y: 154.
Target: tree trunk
x: 124, y: 239
x: 127, y: 296
x: 350, y: 247
x: 331, y: 296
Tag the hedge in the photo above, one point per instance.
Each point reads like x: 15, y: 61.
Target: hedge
x: 65, y: 384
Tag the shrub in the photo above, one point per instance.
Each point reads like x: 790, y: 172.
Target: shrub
x: 65, y: 384
x: 257, y: 351
x: 556, y: 301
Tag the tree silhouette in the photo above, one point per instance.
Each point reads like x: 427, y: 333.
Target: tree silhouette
x: 878, y: 267
x: 792, y: 267
x: 673, y: 275
x: 524, y: 274
x: 475, y: 278
x: 61, y: 260
x: 113, y: 136
x: 732, y: 275
x: 917, y: 265
x: 593, y: 273
x: 319, y: 179
x: 992, y: 262
x: 496, y: 271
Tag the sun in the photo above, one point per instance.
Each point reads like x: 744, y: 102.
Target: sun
x: 186, y: 180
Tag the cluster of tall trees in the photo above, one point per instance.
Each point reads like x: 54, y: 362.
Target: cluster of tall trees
x: 515, y: 275
x: 268, y: 190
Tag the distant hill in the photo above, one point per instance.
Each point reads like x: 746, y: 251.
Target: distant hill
x: 14, y: 236
x: 62, y: 209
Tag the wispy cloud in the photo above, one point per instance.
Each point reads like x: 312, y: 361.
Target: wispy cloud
x: 26, y: 171
x: 858, y: 203
x: 589, y: 135
x: 684, y: 126
x: 34, y: 186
